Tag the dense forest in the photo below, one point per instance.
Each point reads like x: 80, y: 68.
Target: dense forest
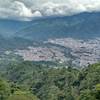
x: 30, y: 81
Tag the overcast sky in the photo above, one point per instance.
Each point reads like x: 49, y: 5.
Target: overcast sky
x: 27, y: 9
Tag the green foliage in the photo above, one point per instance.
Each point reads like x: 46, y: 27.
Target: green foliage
x: 98, y: 87
x: 20, y: 95
x: 49, y: 83
x: 4, y: 89
x: 87, y: 95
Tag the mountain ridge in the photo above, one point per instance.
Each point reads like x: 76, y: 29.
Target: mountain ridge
x: 60, y: 27
x: 49, y: 27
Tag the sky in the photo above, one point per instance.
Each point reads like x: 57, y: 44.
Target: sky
x: 26, y: 10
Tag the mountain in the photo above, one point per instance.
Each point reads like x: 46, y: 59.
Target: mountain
x: 13, y: 43
x: 9, y: 27
x: 81, y: 26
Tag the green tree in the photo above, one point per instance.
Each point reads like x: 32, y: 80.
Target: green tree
x: 4, y: 89
x: 87, y: 95
x: 20, y: 95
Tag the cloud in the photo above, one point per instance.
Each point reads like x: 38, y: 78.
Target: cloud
x: 28, y: 9
x: 70, y: 7
x: 18, y: 10
x: 21, y: 10
x: 62, y: 9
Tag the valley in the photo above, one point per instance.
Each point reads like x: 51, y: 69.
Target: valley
x: 50, y: 50
x: 64, y: 50
x: 70, y: 40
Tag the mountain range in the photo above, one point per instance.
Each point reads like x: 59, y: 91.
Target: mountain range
x: 81, y: 26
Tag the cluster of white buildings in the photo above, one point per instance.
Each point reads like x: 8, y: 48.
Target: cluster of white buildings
x: 81, y: 52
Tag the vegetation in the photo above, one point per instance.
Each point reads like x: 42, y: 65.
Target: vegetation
x: 32, y: 81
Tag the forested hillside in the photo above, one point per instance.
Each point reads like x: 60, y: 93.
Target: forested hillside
x: 34, y: 81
